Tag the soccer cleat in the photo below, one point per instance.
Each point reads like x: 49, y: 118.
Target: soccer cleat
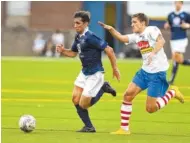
x: 87, y: 130
x: 178, y: 95
x: 108, y: 89
x: 121, y: 132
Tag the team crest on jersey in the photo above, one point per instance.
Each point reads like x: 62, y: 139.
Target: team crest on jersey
x: 143, y: 44
x: 176, y: 21
x: 144, y: 47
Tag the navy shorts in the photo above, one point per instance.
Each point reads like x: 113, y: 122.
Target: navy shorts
x: 156, y: 83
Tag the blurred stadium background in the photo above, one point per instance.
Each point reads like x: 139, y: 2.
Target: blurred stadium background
x: 21, y: 21
x: 43, y: 86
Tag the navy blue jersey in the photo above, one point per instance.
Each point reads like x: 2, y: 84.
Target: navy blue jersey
x: 175, y: 20
x: 90, y: 48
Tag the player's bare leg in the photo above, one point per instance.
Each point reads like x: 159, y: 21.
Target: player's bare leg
x: 151, y: 105
x: 178, y: 58
x: 76, y: 95
x: 126, y: 108
x: 85, y: 102
x: 83, y: 113
x: 106, y: 88
x: 154, y: 104
x: 91, y: 96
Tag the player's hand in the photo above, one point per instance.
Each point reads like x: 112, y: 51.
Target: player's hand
x: 166, y: 25
x: 116, y: 73
x: 150, y: 57
x: 107, y: 27
x: 59, y: 48
x: 185, y: 25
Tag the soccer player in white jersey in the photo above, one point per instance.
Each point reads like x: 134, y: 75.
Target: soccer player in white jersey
x: 152, y: 75
x: 178, y: 23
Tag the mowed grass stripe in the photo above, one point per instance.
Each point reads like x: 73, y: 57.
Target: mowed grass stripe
x: 50, y: 81
x: 67, y: 100
x: 104, y: 132
x: 47, y: 81
x: 34, y: 91
x: 51, y: 92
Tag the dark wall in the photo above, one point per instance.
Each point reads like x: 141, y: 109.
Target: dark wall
x: 52, y: 15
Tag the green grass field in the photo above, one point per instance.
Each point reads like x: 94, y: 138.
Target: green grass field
x: 43, y: 87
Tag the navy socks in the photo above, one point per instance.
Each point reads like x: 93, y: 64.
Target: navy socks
x: 83, y: 114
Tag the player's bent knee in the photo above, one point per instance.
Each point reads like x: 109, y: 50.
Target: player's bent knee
x: 83, y: 106
x: 178, y: 58
x: 129, y: 96
x: 151, y: 109
x: 75, y: 100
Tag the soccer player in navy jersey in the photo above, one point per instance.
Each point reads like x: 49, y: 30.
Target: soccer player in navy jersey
x: 89, y: 85
x: 178, y: 23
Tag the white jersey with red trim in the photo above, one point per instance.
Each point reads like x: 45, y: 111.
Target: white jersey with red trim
x: 146, y: 43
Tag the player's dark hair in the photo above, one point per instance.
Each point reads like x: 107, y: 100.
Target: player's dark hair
x: 179, y: 1
x: 141, y: 17
x: 84, y: 15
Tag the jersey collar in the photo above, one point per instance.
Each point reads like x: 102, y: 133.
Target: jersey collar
x: 83, y: 34
x: 178, y: 12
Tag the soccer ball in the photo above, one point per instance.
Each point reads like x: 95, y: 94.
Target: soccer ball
x: 27, y: 123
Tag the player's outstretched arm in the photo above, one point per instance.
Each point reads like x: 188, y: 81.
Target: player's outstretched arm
x: 110, y: 53
x: 115, y: 33
x: 65, y: 52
